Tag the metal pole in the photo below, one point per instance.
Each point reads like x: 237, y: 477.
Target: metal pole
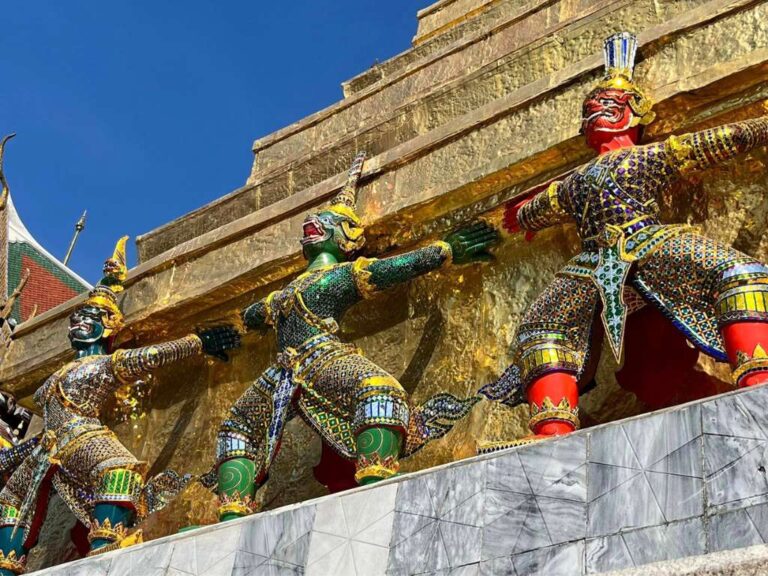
x: 79, y: 227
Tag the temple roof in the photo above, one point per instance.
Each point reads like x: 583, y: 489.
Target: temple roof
x: 50, y: 283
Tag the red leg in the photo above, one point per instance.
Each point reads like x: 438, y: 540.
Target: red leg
x: 553, y: 399
x: 746, y: 344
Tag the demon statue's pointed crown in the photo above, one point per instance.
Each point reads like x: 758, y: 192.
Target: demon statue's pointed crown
x: 337, y: 227
x: 616, y: 103
x: 104, y: 295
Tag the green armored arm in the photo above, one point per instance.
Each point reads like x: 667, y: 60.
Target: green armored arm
x: 704, y: 149
x: 465, y: 245
x: 131, y: 364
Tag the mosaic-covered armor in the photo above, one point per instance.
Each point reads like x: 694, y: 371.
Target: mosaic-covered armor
x: 360, y: 411
x: 101, y: 482
x: 716, y: 296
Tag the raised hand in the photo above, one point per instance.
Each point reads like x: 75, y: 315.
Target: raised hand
x: 471, y: 243
x: 218, y: 339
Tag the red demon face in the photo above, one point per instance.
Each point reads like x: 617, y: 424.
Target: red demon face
x: 608, y: 110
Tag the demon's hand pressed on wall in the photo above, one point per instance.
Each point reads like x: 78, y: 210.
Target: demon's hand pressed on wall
x: 219, y: 339
x: 471, y: 243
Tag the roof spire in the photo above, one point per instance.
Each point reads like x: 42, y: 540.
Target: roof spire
x: 79, y: 227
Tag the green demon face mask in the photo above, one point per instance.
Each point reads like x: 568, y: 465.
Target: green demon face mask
x: 336, y: 230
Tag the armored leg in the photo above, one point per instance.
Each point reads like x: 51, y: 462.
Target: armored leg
x: 359, y: 409
x: 13, y: 554
x: 746, y: 345
x: 698, y: 278
x: 742, y: 311
x: 244, y: 448
x: 115, y: 504
x: 553, y: 399
x: 15, y: 547
x: 553, y: 342
x: 237, y: 487
x: 381, y: 419
x: 378, y: 450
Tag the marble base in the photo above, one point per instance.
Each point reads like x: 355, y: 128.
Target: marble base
x: 682, y: 482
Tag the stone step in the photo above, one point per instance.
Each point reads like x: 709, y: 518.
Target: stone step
x: 322, y: 145
x: 484, y: 18
x: 438, y: 18
x: 681, y: 482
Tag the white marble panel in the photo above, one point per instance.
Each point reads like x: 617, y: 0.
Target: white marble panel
x: 282, y: 538
x: 610, y: 445
x: 732, y: 530
x: 679, y: 497
x: 513, y: 524
x: 505, y: 472
x: 152, y: 559
x: 607, y: 554
x: 735, y: 472
x: 668, y: 541
x: 352, y: 533
x: 742, y: 415
x: 562, y: 560
x: 655, y: 437
x: 557, y: 469
x: 629, y: 504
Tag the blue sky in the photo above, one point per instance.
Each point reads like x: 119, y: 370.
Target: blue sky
x: 141, y: 111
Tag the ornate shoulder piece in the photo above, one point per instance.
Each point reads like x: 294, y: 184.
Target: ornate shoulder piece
x: 682, y: 151
x: 269, y: 308
x: 362, y: 277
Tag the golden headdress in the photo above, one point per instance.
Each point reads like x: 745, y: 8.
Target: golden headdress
x: 619, y: 52
x: 345, y: 201
x: 104, y: 294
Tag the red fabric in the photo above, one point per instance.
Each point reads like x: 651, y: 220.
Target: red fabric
x: 659, y: 364
x: 79, y: 537
x: 555, y: 386
x: 43, y: 289
x: 41, y: 508
x: 510, y: 222
x: 745, y: 337
x: 335, y: 472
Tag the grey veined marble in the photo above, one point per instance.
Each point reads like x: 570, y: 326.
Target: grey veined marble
x: 682, y: 482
